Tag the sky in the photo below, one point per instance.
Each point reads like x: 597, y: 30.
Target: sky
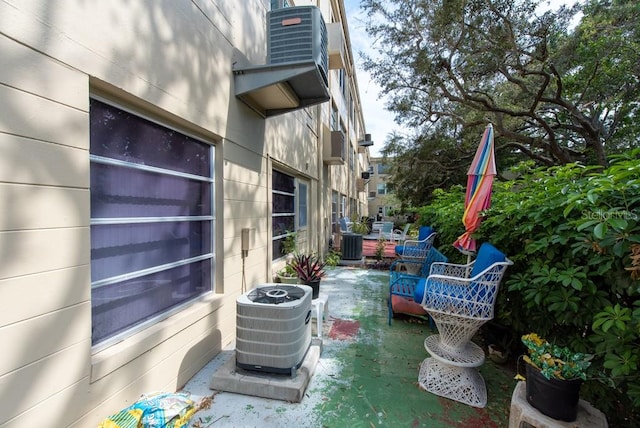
x: 378, y: 121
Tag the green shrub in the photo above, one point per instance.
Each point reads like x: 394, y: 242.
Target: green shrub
x: 573, y: 233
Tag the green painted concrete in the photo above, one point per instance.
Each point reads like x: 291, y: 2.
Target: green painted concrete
x: 378, y: 384
x: 368, y: 380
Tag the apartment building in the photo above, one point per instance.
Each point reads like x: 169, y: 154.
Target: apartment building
x: 153, y: 158
x: 382, y: 203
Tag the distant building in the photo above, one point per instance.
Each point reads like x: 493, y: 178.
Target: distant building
x: 154, y: 157
x: 382, y: 203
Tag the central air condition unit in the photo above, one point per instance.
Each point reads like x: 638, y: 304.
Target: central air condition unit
x: 273, y: 328
x: 296, y: 73
x: 298, y: 34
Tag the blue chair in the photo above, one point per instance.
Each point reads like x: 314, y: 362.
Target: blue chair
x: 345, y: 227
x: 460, y: 299
x: 417, y: 248
x: 405, y: 285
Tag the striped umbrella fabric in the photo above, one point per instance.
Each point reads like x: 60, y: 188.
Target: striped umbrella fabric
x: 479, y: 184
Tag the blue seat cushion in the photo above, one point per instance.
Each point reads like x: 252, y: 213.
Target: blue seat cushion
x: 424, y: 232
x: 418, y: 291
x: 487, y: 255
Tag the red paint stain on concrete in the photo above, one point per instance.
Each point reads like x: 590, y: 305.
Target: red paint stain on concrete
x: 344, y: 329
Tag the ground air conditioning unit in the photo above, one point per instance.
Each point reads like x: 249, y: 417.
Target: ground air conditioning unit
x: 273, y: 328
x: 296, y: 34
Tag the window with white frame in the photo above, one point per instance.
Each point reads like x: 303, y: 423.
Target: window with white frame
x: 283, y: 201
x: 382, y: 188
x: 152, y: 220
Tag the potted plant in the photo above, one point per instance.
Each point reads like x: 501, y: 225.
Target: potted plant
x: 290, y: 243
x: 554, y: 375
x: 310, y: 270
x: 287, y: 275
x: 359, y: 227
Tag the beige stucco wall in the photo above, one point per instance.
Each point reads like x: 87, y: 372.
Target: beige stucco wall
x: 172, y: 61
x: 169, y: 60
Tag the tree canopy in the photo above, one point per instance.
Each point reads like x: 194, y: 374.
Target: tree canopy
x: 559, y: 86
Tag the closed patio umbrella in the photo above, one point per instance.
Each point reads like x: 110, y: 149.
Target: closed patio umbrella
x: 478, y: 196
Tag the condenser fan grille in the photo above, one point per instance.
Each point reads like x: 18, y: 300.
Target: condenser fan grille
x: 276, y: 294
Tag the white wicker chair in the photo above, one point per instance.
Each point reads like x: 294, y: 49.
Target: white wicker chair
x: 460, y: 298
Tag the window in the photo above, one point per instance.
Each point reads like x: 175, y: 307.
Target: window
x: 334, y: 210
x: 382, y: 168
x: 342, y: 76
x: 278, y: 4
x: 352, y: 156
x: 302, y: 204
x: 283, y: 222
x: 382, y: 188
x: 343, y: 206
x: 335, y: 119
x: 290, y: 208
x: 152, y: 220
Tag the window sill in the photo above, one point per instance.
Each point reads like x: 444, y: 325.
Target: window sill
x: 122, y: 353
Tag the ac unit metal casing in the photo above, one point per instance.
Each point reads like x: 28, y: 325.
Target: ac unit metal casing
x: 273, y: 337
x: 298, y: 34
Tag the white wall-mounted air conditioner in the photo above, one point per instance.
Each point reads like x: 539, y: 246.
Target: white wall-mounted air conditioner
x: 334, y: 148
x: 337, y: 57
x: 366, y: 142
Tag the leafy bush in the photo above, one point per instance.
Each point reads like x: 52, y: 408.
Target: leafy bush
x: 573, y: 233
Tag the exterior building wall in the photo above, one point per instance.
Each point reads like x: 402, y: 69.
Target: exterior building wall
x: 170, y: 61
x: 379, y: 201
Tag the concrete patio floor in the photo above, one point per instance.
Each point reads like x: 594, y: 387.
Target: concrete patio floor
x: 364, y: 378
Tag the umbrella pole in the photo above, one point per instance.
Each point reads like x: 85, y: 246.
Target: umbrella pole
x: 469, y: 253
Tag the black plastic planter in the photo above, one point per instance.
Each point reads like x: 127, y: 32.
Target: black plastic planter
x: 553, y: 397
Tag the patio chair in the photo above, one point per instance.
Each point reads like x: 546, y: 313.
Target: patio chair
x: 384, y: 230
x: 376, y: 226
x: 345, y: 225
x: 417, y: 249
x: 390, y: 234
x: 460, y: 299
x: 403, y: 286
x: 401, y: 235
